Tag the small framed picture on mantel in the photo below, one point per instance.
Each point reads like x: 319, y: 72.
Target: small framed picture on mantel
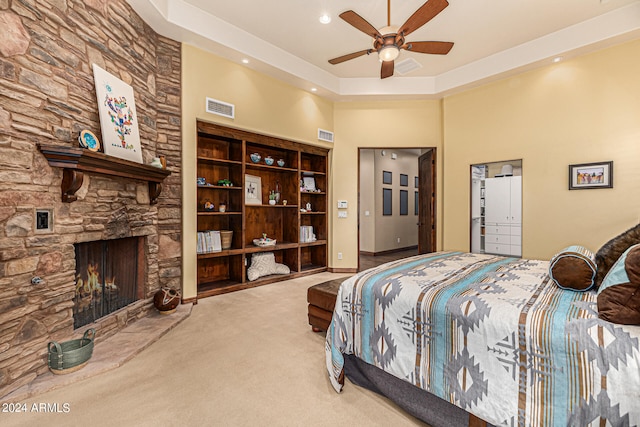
x: 586, y: 176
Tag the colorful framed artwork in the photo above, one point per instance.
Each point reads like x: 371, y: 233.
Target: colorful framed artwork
x: 89, y: 140
x: 252, y: 190
x: 118, y: 120
x: 591, y: 175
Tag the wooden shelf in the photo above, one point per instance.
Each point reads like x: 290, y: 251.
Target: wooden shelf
x: 316, y: 243
x: 219, y: 187
x: 277, y: 247
x: 225, y: 153
x: 75, y: 161
x: 219, y: 161
x: 216, y: 213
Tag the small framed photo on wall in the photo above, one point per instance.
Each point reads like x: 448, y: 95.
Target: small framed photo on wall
x: 386, y: 202
x: 386, y: 177
x: 591, y: 175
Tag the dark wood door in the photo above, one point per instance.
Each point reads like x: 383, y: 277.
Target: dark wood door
x: 427, y: 202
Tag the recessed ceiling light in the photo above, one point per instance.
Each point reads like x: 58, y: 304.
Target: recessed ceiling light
x: 324, y: 19
x: 245, y: 61
x: 557, y: 59
x: 313, y: 89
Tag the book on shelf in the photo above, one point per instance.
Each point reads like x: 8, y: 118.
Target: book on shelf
x: 209, y: 241
x: 306, y: 234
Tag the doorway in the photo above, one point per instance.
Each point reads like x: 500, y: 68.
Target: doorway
x: 396, y: 201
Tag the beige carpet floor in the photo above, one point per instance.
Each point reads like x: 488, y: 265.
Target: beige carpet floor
x: 247, y: 358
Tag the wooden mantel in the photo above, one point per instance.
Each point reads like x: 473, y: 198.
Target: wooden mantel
x: 75, y: 161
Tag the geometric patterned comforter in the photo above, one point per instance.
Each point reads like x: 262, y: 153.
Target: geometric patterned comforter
x: 492, y: 335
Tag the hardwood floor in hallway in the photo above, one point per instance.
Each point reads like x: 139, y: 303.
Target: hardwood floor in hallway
x: 368, y: 261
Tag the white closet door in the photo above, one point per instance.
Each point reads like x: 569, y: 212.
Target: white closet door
x: 516, y: 200
x: 497, y: 201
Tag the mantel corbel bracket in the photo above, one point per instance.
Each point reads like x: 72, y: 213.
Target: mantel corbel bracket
x: 71, y: 182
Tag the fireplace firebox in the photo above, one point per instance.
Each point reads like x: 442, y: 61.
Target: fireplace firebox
x: 109, y: 276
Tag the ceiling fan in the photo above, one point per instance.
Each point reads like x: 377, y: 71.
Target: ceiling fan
x: 389, y: 40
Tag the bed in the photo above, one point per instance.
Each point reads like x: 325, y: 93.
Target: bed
x: 491, y: 335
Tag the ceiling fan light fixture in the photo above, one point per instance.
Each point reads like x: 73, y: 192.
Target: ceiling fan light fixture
x: 388, y: 53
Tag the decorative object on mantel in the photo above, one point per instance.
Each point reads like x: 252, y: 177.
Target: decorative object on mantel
x: 255, y: 157
x: 88, y: 140
x: 71, y: 356
x: 281, y: 162
x: 264, y: 241
x: 268, y: 161
x: 118, y: 120
x: 76, y: 161
x: 156, y: 163
x: 166, y: 300
x: 272, y: 197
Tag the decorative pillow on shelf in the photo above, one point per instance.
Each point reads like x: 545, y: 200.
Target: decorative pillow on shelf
x: 619, y: 293
x: 609, y: 253
x: 264, y: 264
x: 573, y: 268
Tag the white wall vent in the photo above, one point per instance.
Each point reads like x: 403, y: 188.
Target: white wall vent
x: 325, y: 135
x: 407, y: 66
x: 221, y: 108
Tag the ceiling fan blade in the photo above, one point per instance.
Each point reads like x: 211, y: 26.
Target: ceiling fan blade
x: 343, y: 58
x: 436, y: 48
x: 387, y: 69
x: 360, y: 23
x: 424, y: 14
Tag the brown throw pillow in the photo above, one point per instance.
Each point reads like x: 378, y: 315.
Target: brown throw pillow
x: 619, y: 294
x: 573, y: 268
x: 609, y: 253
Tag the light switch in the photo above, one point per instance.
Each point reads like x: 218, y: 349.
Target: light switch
x: 342, y: 214
x: 342, y: 204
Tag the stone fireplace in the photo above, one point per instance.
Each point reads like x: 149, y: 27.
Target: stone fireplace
x: 47, y: 96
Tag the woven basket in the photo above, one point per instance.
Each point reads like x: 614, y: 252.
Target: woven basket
x: 70, y: 356
x: 225, y: 238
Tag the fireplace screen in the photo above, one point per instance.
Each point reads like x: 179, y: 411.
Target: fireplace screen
x: 106, y: 278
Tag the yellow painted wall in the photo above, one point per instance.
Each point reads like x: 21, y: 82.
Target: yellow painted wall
x: 375, y: 125
x: 582, y: 110
x: 263, y: 105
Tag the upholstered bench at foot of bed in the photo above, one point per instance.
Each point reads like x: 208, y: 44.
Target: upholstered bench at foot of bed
x: 322, y: 300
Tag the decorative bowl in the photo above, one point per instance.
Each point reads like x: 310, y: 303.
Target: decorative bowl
x: 281, y: 163
x: 268, y: 160
x: 255, y: 157
x: 264, y: 242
